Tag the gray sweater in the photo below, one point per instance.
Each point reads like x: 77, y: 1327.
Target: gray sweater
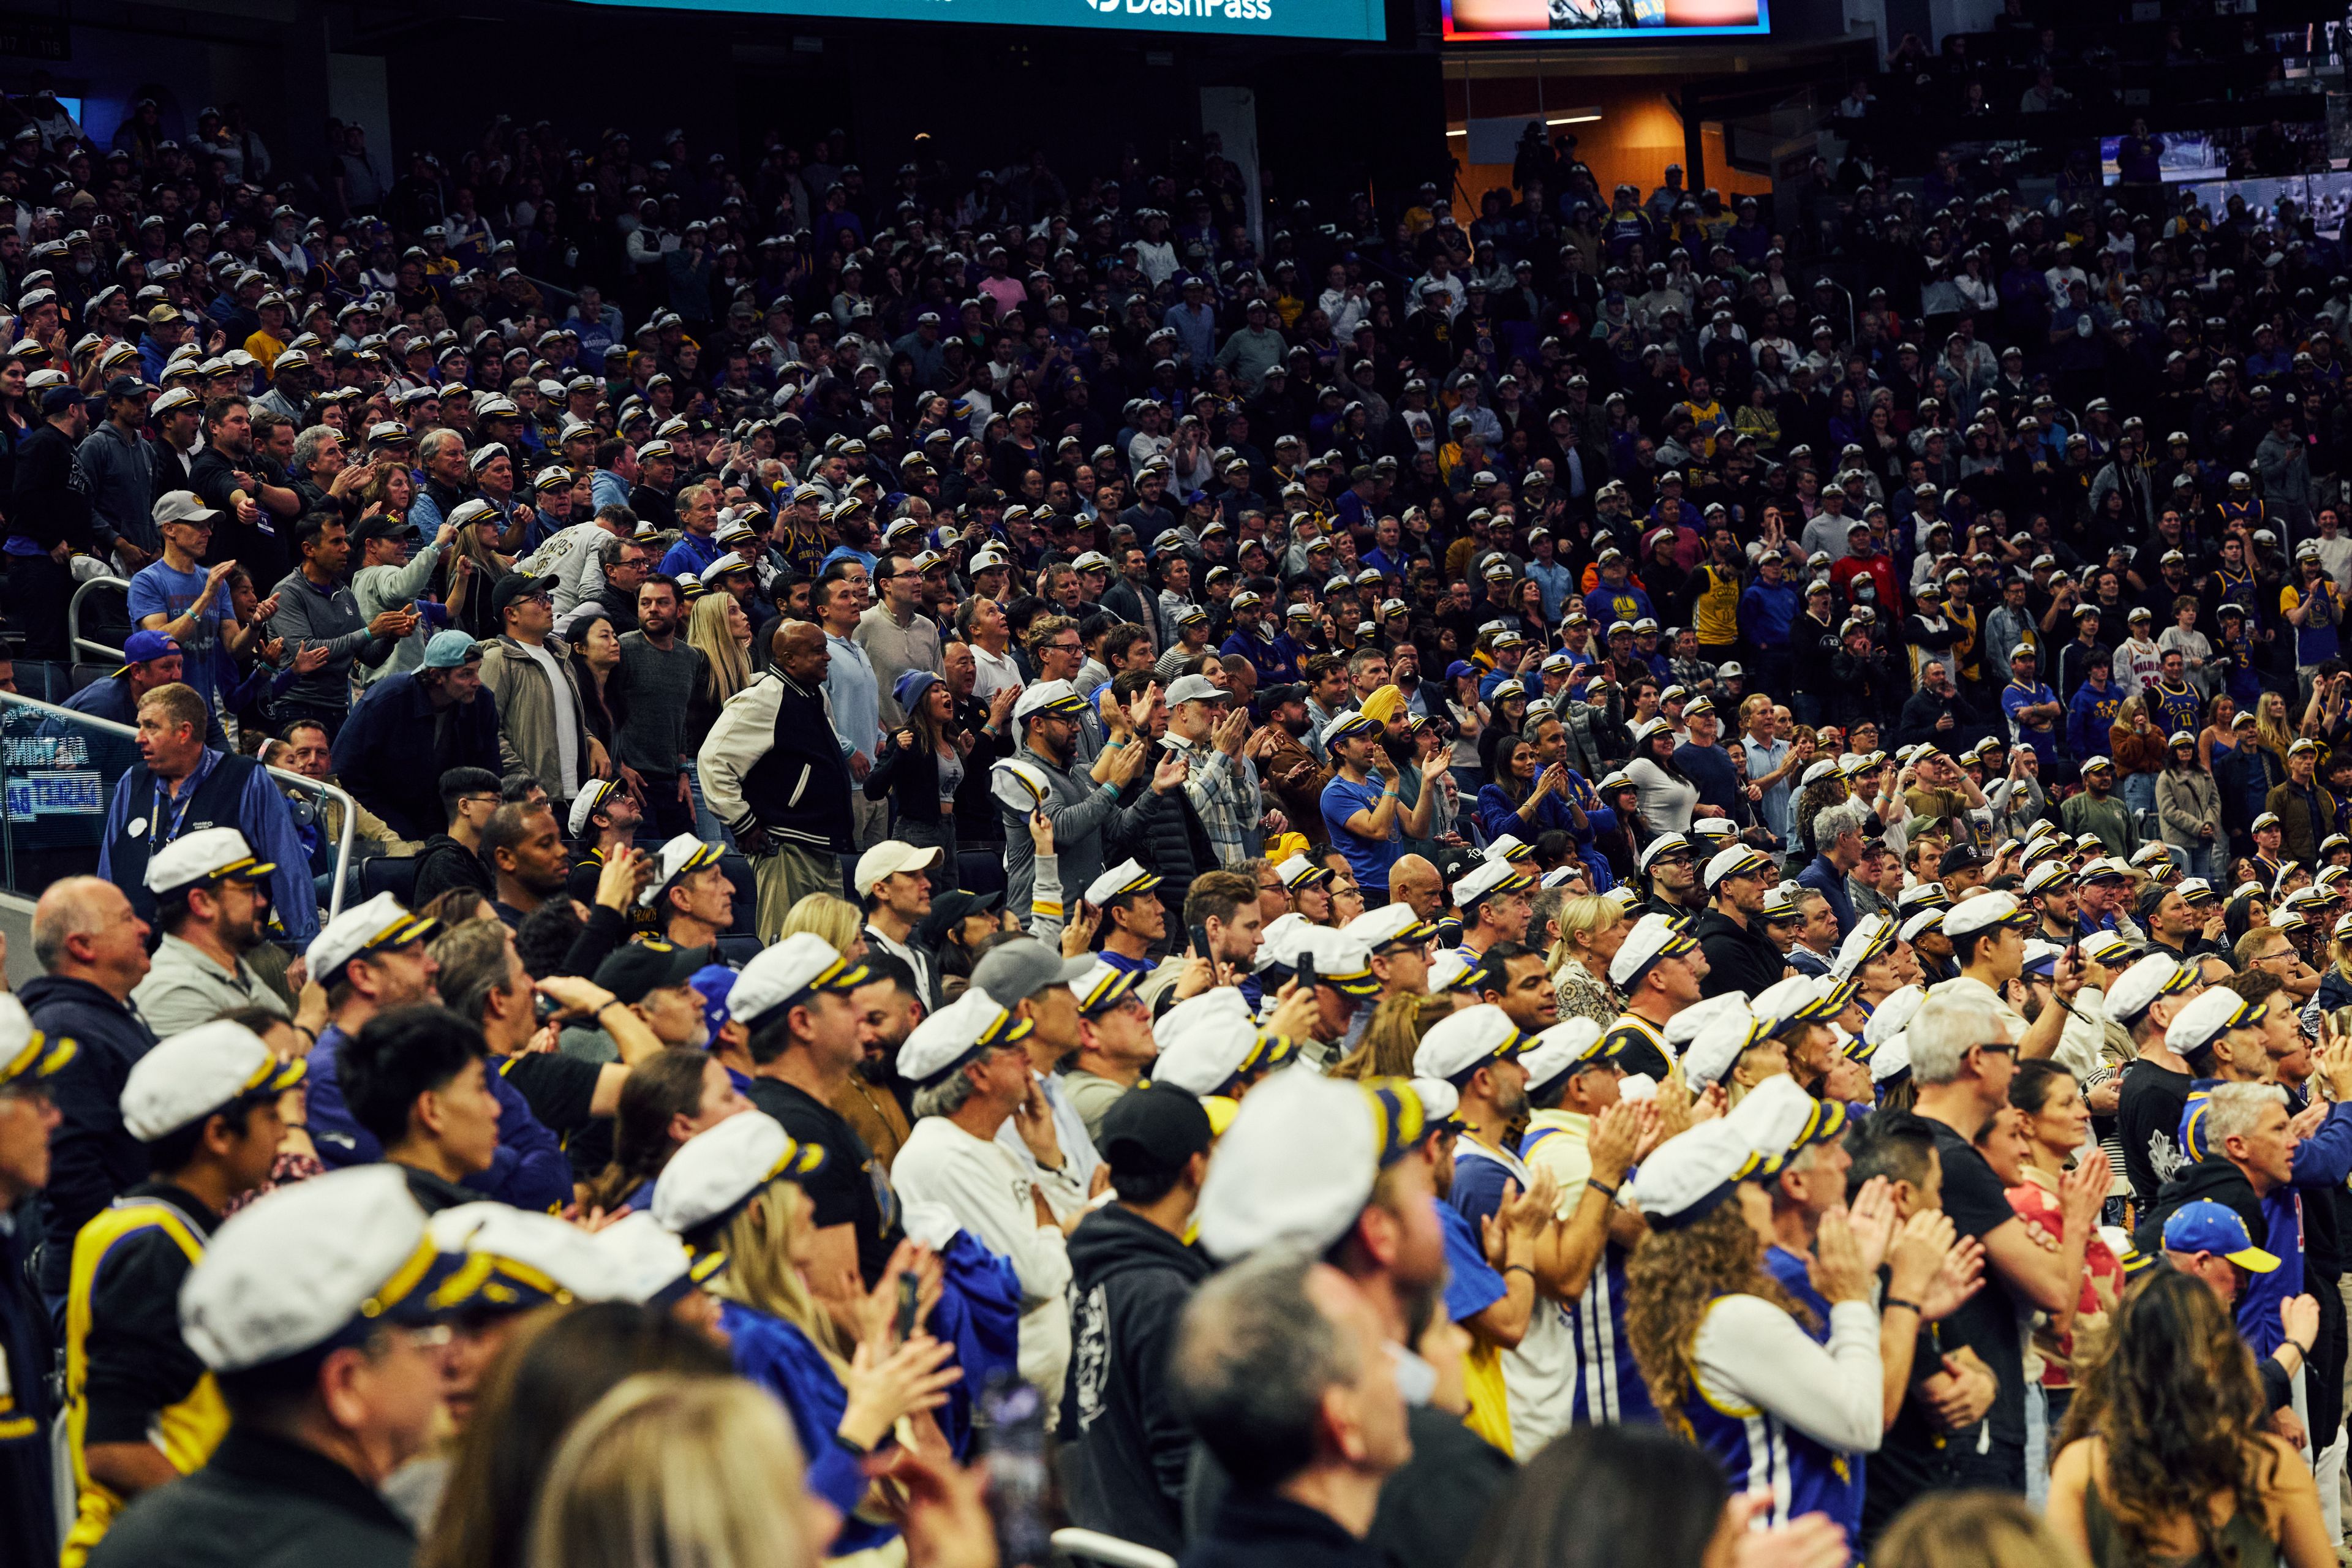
x: 309, y: 614
x: 1084, y: 814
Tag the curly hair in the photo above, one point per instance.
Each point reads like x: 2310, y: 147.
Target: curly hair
x: 1673, y: 1278
x: 1817, y: 797
x: 2177, y: 1404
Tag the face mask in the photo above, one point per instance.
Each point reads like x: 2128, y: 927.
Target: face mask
x: 1864, y: 590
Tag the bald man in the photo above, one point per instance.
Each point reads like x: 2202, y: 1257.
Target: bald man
x: 92, y: 948
x: 1414, y: 881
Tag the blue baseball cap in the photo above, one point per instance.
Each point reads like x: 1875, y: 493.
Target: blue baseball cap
x: 146, y: 646
x: 2207, y: 1226
x: 448, y: 650
x: 716, y: 983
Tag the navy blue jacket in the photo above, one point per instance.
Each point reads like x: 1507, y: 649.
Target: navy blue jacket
x: 396, y: 745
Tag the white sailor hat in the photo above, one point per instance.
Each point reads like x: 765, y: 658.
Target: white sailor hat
x: 1688, y: 1023
x: 2042, y: 878
x: 1204, y: 1041
x: 1872, y: 936
x: 1059, y: 697
x: 1567, y: 1046
x: 1984, y: 912
x: 197, y: 1072
x: 1800, y: 999
x: 1663, y: 844
x: 1102, y: 988
x: 1739, y: 860
x: 1298, y: 871
x: 1468, y: 1040
x: 1390, y: 925
x: 2209, y: 1017
x: 1919, y: 922
x: 1127, y: 877
x: 1341, y: 961
x: 208, y: 855
x: 515, y: 1261
x: 680, y: 858
x: 589, y: 800
x: 1509, y: 846
x: 718, y: 1170
x: 310, y: 1265
x: 1300, y: 1159
x: 1351, y: 723
x: 1019, y: 786
x: 648, y: 1264
x: 1717, y: 1048
x: 1489, y: 877
x: 2139, y: 987
x: 1893, y: 1014
x: 1691, y: 1174
x: 1449, y: 971
x: 376, y: 926
x: 1654, y: 937
x: 803, y: 963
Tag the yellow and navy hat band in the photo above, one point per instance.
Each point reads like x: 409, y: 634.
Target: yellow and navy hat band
x: 1312, y: 876
x: 1358, y: 983
x: 487, y: 1279
x: 37, y: 1058
x: 1825, y: 1125
x: 1108, y: 991
x: 1418, y: 934
x: 841, y: 974
x: 403, y: 1280
x: 1142, y: 882
x: 1397, y: 1117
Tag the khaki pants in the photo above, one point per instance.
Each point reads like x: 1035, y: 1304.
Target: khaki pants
x: 784, y: 879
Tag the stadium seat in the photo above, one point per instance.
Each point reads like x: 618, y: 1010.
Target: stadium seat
x: 394, y: 874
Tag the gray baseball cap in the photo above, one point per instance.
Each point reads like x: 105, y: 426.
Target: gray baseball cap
x: 1017, y: 971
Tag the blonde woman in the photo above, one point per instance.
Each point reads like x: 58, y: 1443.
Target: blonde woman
x: 677, y: 1469
x: 730, y: 1190
x: 2273, y: 731
x: 839, y: 922
x: 1591, y: 930
x: 1393, y: 1035
x: 718, y: 626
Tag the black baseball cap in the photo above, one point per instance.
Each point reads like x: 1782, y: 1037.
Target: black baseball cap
x: 948, y: 908
x: 642, y: 966
x: 1958, y: 857
x: 1153, y: 1130
x: 513, y: 586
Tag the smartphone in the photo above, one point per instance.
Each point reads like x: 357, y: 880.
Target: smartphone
x: 544, y: 1007
x: 1019, y: 1480
x: 906, y: 1291
x: 1201, y: 946
x: 1305, y: 970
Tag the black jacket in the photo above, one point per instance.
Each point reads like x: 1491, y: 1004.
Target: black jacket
x: 259, y: 1502
x: 1124, y: 1447
x: 1921, y: 710
x: 1738, y: 958
x: 92, y: 1157
x: 51, y: 500
x: 2217, y: 1180
x: 1265, y: 1529
x: 445, y: 864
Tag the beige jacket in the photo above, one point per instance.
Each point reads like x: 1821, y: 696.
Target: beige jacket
x: 526, y: 709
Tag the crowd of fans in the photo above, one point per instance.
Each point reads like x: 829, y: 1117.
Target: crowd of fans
x: 1024, y: 859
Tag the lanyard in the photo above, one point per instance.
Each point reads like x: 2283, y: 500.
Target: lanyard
x: 155, y: 827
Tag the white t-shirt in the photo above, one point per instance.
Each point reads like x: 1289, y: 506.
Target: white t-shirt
x: 567, y: 725
x: 995, y: 672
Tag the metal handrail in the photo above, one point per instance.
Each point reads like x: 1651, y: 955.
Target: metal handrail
x: 73, y: 616
x: 324, y: 791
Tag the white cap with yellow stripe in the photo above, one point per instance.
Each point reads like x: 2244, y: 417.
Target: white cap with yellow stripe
x: 198, y: 1071
x: 207, y: 855
x: 682, y: 857
x: 378, y: 925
